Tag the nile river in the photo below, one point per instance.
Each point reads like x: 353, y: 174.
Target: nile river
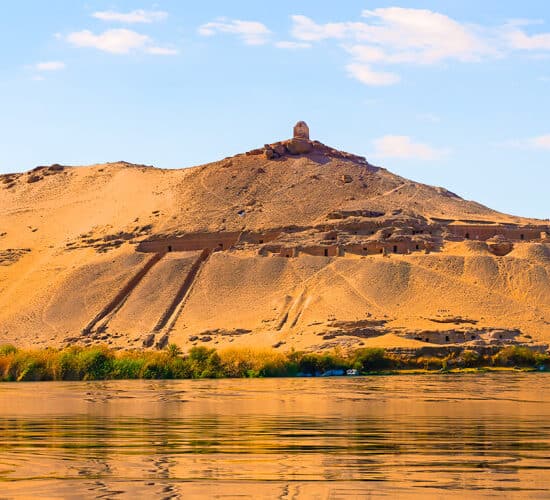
x: 440, y: 436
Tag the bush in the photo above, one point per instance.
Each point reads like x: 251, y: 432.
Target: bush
x: 7, y: 349
x: 470, y: 359
x: 430, y: 363
x: 127, y: 367
x: 518, y: 356
x: 94, y: 364
x: 173, y: 351
x: 98, y: 363
x: 204, y: 363
x: 371, y: 359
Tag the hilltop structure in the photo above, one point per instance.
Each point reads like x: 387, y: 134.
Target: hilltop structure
x: 301, y: 131
x: 295, y: 244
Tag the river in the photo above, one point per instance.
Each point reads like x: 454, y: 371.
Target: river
x: 414, y: 436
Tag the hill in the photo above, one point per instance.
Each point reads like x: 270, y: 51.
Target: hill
x: 294, y: 244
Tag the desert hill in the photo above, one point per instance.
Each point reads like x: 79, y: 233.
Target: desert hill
x: 294, y: 244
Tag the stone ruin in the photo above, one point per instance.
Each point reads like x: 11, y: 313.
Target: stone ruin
x: 301, y: 144
x: 301, y: 131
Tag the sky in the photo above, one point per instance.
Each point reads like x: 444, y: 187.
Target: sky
x: 452, y: 93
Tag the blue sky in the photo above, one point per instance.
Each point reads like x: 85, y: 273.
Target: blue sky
x: 453, y: 93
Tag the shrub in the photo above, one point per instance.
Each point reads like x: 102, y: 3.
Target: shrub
x: 204, y: 363
x: 7, y: 349
x: 430, y: 363
x: 94, y: 364
x: 470, y: 359
x: 371, y: 359
x: 516, y: 356
x: 173, y: 351
x: 127, y: 367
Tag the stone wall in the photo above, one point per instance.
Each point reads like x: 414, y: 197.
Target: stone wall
x: 484, y: 232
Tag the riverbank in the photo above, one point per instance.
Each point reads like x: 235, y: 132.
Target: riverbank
x: 102, y: 363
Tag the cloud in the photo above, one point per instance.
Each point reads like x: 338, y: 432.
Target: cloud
x: 136, y: 16
x: 403, y: 147
x: 250, y: 32
x: 396, y: 34
x: 49, y: 66
x: 399, y: 36
x: 306, y: 29
x: 117, y: 41
x: 540, y: 142
x: 366, y: 75
x: 292, y: 45
x: 519, y: 40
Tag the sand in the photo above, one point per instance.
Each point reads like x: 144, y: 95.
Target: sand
x: 69, y: 236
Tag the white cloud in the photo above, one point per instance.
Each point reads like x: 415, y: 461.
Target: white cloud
x: 540, y: 142
x: 424, y: 36
x: 519, y: 40
x: 250, y: 32
x: 403, y: 147
x: 366, y: 75
x: 49, y: 66
x: 117, y: 41
x: 162, y: 51
x: 397, y: 35
x: 367, y: 53
x: 292, y: 45
x: 306, y: 29
x: 136, y: 16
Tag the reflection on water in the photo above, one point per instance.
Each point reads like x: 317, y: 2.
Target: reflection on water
x: 425, y: 436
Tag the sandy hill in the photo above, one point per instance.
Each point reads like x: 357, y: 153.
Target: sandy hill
x: 291, y: 245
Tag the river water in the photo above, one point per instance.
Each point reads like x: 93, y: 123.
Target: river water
x: 424, y: 436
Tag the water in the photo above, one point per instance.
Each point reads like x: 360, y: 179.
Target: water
x: 462, y: 436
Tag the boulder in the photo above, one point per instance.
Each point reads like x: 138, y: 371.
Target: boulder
x: 269, y: 153
x: 499, y: 245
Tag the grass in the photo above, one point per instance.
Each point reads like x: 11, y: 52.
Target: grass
x: 101, y: 363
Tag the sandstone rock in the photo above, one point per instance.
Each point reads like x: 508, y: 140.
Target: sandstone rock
x: 499, y: 245
x: 162, y: 342
x: 148, y: 341
x: 280, y: 149
x: 269, y: 154
x: 346, y: 178
x: 299, y: 147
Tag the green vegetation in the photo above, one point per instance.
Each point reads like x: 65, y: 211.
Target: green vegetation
x: 101, y: 363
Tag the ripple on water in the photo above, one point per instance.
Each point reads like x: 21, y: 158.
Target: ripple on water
x: 277, y: 438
